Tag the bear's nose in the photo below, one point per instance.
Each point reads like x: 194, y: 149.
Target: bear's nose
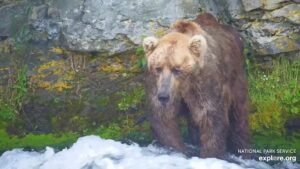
x: 163, y: 98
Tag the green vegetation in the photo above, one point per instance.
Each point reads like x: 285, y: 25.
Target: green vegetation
x: 275, y: 142
x: 124, y: 130
x: 275, y: 96
x: 275, y: 99
x: 13, y: 96
x: 33, y: 141
x: 140, y: 53
x: 112, y: 131
x: 131, y: 99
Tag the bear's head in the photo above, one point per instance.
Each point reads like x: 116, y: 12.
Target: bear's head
x: 174, y: 57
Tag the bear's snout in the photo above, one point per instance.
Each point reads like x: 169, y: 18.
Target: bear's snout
x: 163, y: 98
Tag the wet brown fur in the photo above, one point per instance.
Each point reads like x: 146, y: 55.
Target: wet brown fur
x: 213, y: 97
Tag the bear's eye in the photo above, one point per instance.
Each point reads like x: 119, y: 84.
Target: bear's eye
x: 176, y: 71
x: 158, y: 69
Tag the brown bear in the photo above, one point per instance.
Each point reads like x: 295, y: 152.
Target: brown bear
x: 197, y: 70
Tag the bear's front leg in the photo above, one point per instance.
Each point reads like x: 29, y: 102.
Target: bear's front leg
x: 212, y: 121
x: 213, y: 128
x: 166, y: 130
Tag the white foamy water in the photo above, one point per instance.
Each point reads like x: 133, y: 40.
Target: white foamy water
x: 93, y: 152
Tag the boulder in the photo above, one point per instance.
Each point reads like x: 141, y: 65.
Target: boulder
x: 291, y: 12
x: 271, y: 38
x: 250, y: 5
x: 116, y: 26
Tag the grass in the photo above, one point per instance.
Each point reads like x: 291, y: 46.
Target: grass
x: 275, y: 99
x: 275, y: 96
x: 14, y: 95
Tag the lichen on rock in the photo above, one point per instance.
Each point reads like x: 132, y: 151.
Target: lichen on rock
x: 290, y: 12
x: 53, y: 75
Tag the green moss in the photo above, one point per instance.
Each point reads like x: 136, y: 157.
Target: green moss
x: 33, y: 141
x: 103, y: 101
x: 267, y: 117
x: 112, y: 131
x: 141, y: 134
x: 70, y: 119
x: 131, y: 99
x: 124, y: 129
x: 7, y: 112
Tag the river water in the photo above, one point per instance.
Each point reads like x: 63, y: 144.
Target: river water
x: 93, y: 152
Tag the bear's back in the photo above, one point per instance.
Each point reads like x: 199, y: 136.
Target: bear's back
x: 228, y: 50
x: 210, y: 24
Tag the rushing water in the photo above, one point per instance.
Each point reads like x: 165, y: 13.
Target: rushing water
x: 93, y: 152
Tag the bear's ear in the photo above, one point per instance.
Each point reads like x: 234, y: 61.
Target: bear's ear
x: 198, y: 45
x: 149, y: 44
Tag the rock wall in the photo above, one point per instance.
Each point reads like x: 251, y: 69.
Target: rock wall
x: 105, y: 26
x: 270, y: 26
